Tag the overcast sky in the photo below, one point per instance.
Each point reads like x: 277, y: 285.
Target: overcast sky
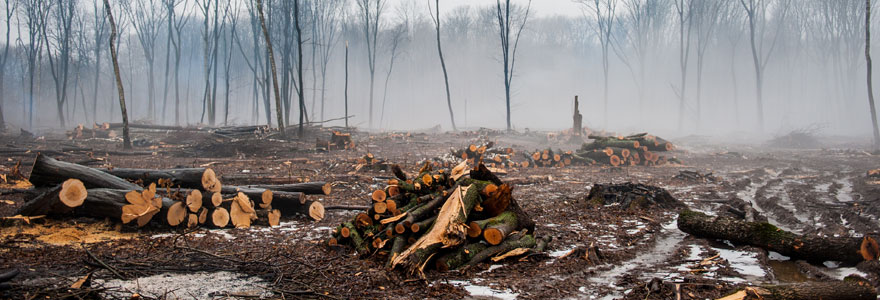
x: 541, y: 8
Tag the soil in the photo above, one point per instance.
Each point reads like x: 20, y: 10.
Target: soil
x: 643, y: 254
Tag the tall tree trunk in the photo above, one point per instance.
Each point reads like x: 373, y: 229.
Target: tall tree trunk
x: 870, y: 86
x: 272, y: 62
x: 125, y: 137
x: 446, y: 75
x: 346, y: 84
x: 299, y: 69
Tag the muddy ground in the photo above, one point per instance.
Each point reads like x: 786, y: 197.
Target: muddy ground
x: 643, y: 254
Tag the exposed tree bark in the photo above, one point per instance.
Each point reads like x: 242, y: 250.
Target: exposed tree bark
x: 125, y: 136
x: 271, y: 59
x: 436, y: 20
x: 299, y: 69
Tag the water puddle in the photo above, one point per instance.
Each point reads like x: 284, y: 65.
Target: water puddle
x: 201, y: 285
x: 484, y: 292
x: 663, y: 248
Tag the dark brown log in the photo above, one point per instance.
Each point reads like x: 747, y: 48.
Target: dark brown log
x: 308, y: 188
x: 459, y: 256
x: 182, y: 177
x: 514, y: 241
x: 48, y: 171
x: 268, y: 217
x: 818, y: 249
x: 55, y: 201
x: 290, y: 206
x: 837, y: 290
x: 108, y: 203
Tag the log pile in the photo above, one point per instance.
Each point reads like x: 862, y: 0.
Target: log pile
x: 180, y: 197
x: 631, y: 196
x: 485, y: 153
x: 97, y: 131
x: 338, y: 141
x: 441, y: 219
x: 638, y: 149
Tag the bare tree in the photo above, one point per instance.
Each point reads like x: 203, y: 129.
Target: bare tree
x: 327, y: 16
x: 147, y: 19
x: 707, y: 15
x: 371, y: 14
x: 271, y: 59
x: 398, y: 35
x: 508, y: 50
x: 35, y: 14
x: 436, y: 20
x: 605, y: 13
x: 126, y: 141
x: 63, y: 37
x: 684, y: 10
x: 346, y: 84
x: 4, y: 59
x: 299, y: 70
x: 227, y: 62
x: 99, y: 31
x: 756, y: 11
x: 870, y: 86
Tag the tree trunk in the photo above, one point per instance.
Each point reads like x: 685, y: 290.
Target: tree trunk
x: 299, y: 69
x: 48, y: 171
x: 346, y: 84
x: 125, y: 137
x: 838, y: 290
x: 272, y: 63
x: 847, y: 250
x: 446, y: 75
x: 309, y: 188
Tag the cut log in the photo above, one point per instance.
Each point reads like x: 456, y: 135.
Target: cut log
x: 292, y: 203
x: 123, y: 204
x: 521, y: 240
x: 460, y: 256
x: 220, y: 217
x: 268, y: 217
x: 194, y: 200
x: 422, y: 225
x: 818, y: 249
x: 176, y: 214
x: 210, y: 182
x: 308, y: 188
x: 48, y: 172
x: 379, y: 196
x: 499, y: 228
x: 57, y: 200
x: 837, y: 290
x: 182, y: 177
x: 242, y: 211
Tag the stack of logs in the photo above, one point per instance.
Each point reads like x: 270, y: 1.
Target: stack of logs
x: 185, y: 196
x: 338, y: 141
x: 485, y: 153
x: 455, y: 219
x: 638, y: 149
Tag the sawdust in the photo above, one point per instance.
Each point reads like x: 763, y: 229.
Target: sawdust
x: 62, y: 233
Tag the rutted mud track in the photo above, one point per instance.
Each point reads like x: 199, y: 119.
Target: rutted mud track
x: 809, y: 191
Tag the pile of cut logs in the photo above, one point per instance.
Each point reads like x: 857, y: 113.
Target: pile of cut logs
x: 338, y: 141
x: 638, y: 149
x: 491, y: 157
x: 180, y: 197
x: 455, y: 219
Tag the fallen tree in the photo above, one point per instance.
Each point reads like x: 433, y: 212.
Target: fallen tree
x: 847, y: 250
x: 837, y: 290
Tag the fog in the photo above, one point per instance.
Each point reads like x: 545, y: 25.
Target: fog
x: 811, y: 53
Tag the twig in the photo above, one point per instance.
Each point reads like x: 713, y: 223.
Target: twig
x: 106, y: 266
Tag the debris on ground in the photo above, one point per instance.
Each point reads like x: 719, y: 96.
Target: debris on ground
x: 631, y: 196
x: 695, y: 176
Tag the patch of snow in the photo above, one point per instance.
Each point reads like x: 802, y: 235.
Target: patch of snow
x: 744, y: 262
x: 776, y: 256
x: 485, y: 291
x: 200, y: 285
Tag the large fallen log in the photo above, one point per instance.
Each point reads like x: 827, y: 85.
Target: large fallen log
x: 48, y: 171
x: 308, y: 188
x: 123, y: 205
x: 847, y: 250
x: 182, y: 177
x: 55, y: 201
x: 836, y: 290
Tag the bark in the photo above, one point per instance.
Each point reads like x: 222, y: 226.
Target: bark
x: 48, y: 171
x: 182, y: 177
x: 513, y: 242
x: 459, y: 257
x: 761, y: 234
x: 108, y: 203
x: 443, y: 65
x: 125, y: 137
x: 271, y: 59
x: 308, y: 188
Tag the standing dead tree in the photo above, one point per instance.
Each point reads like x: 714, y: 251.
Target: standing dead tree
x: 706, y: 16
x: 146, y: 20
x: 869, y: 68
x: 125, y: 137
x: 398, y: 35
x: 684, y: 10
x: 371, y: 14
x: 436, y: 20
x: 327, y: 16
x: 35, y: 14
x: 299, y: 68
x: 272, y: 63
x: 503, y: 14
x: 4, y: 58
x: 604, y: 11
x: 99, y: 31
x: 63, y: 37
x: 756, y: 13
x: 176, y: 37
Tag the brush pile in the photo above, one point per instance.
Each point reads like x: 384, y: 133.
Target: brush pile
x: 446, y: 219
x: 638, y: 149
x: 631, y: 196
x: 180, y: 197
x: 338, y: 141
x: 485, y: 153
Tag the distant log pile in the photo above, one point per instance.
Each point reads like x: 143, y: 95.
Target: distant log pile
x: 638, y: 149
x: 181, y: 197
x: 631, y: 196
x: 454, y: 219
x: 492, y: 157
x: 338, y: 141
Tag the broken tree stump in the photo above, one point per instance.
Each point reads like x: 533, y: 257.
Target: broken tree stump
x: 847, y: 250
